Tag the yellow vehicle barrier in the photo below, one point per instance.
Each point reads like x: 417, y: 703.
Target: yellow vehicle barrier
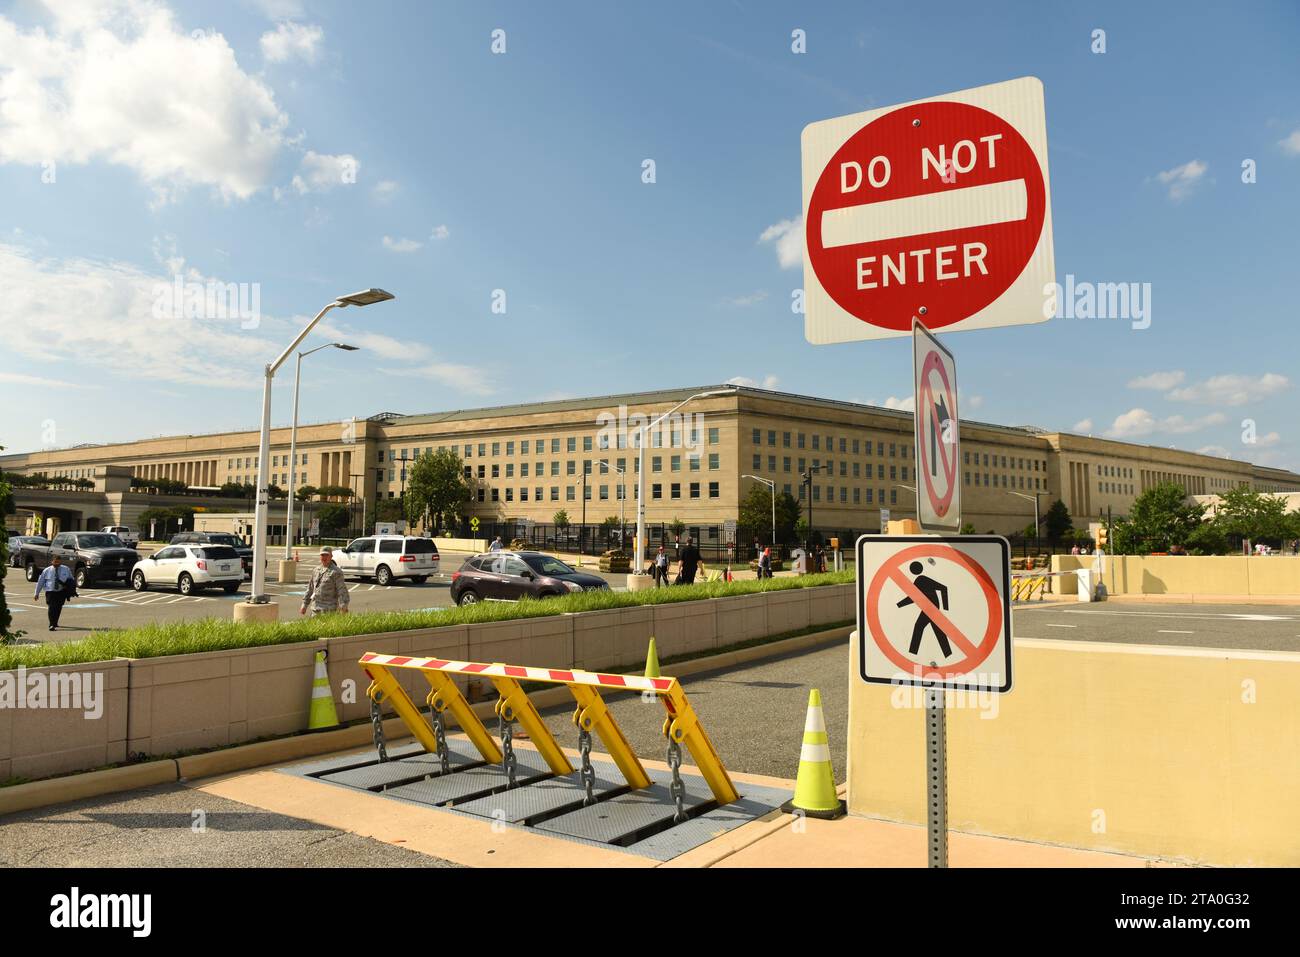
x: 1024, y: 587
x: 680, y: 727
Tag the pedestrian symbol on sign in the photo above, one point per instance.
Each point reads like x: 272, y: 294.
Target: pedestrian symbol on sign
x: 933, y: 591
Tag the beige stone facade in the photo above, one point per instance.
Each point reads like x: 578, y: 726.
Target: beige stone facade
x: 528, y: 461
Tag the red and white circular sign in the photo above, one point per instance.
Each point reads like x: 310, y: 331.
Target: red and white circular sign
x: 931, y: 210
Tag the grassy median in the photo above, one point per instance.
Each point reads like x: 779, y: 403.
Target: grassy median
x: 216, y: 634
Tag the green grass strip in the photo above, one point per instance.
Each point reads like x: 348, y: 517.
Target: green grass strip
x: 218, y: 634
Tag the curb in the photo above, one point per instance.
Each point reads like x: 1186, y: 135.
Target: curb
x: 24, y: 797
x: 36, y: 794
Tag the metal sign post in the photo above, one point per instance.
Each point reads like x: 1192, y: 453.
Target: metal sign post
x: 936, y: 773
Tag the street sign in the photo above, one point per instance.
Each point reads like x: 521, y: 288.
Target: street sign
x: 729, y: 531
x: 385, y: 528
x: 938, y: 483
x: 884, y: 521
x: 473, y: 523
x: 939, y: 209
x: 314, y: 529
x: 935, y: 611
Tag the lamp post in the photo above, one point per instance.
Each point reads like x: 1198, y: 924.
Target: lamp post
x: 258, y: 597
x: 293, y: 441
x: 1034, y: 497
x: 622, y: 509
x: 772, y: 486
x: 640, y: 478
x: 807, y: 482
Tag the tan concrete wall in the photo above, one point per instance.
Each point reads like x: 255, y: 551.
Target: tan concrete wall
x: 1178, y: 753
x: 1270, y: 576
x: 38, y: 742
x: 220, y: 698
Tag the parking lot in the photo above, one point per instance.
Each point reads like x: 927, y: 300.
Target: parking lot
x: 108, y: 607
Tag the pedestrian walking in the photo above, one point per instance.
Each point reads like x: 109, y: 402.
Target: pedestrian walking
x: 661, y: 568
x: 496, y: 545
x: 59, y: 585
x: 688, y: 561
x: 765, y: 564
x: 327, y: 590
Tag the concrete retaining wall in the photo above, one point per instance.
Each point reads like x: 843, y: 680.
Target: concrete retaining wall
x: 1176, y: 753
x: 1262, y: 576
x: 157, y: 706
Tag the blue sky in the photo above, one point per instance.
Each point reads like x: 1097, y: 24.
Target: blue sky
x: 315, y: 148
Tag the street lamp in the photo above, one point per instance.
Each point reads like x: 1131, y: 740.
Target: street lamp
x: 364, y: 298
x: 622, y: 505
x: 807, y: 478
x: 293, y: 439
x: 772, y: 486
x: 1026, y: 495
x: 640, y: 478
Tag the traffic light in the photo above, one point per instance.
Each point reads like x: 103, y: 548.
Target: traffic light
x: 1102, y: 536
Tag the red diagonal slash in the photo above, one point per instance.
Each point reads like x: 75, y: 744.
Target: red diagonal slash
x: 932, y: 612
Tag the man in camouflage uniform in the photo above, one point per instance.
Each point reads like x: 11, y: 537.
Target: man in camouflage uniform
x: 327, y: 591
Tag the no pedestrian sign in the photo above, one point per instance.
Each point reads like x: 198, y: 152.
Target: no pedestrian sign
x: 938, y: 209
x: 935, y: 611
x: 937, y: 432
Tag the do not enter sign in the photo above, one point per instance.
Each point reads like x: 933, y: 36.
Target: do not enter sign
x: 935, y: 611
x: 936, y: 210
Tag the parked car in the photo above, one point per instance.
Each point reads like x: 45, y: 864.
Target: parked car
x: 16, y: 543
x: 93, y: 557
x: 190, y: 568
x: 510, y: 576
x: 128, y: 537
x: 219, y: 538
x: 385, y: 557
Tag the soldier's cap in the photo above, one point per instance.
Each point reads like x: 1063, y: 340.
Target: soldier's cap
x: 326, y: 550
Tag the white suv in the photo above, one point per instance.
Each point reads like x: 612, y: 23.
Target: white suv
x: 190, y: 568
x: 385, y: 557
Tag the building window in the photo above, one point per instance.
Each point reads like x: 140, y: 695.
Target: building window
x: 604, y: 493
x: 496, y: 495
x: 785, y: 463
x: 480, y: 495
x: 695, y: 490
x: 869, y: 495
x: 571, y: 443
x: 555, y: 468
x: 510, y: 448
x: 523, y: 470
x: 693, y: 460
x: 771, y: 437
x: 510, y: 469
x: 586, y: 443
x: 715, y: 462
x: 800, y: 436
x: 496, y: 448
x: 569, y: 494
x: 496, y: 470
x: 758, y: 436
x: 676, y: 463
x: 817, y: 444
x: 713, y: 490
x: 510, y: 495
x: 570, y: 467
x: 656, y: 490
x: 676, y: 490
x: 758, y: 462
x: 785, y: 439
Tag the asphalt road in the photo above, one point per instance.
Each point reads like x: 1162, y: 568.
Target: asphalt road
x: 109, y: 607
x: 1244, y: 627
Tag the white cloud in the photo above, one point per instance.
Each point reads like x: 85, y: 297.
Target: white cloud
x: 1181, y: 180
x: 1291, y: 144
x: 18, y: 378
x: 1137, y: 423
x: 1158, y: 380
x: 788, y: 238
x: 85, y: 310
x: 468, y: 379
x: 1264, y: 441
x: 768, y: 382
x: 1084, y: 425
x: 121, y: 82
x: 385, y: 347
x: 753, y: 299
x: 402, y: 245
x: 1218, y: 450
x: 320, y: 172
x: 440, y: 232
x: 907, y: 404
x: 385, y: 190
x: 973, y: 402
x: 1233, y: 389
x: 291, y: 40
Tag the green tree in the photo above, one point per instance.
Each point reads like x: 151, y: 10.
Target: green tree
x: 677, y: 526
x: 756, y: 513
x: 967, y: 529
x: 560, y: 519
x: 1057, y: 521
x: 334, y: 517
x: 1207, y: 539
x: 388, y: 510
x: 1254, y: 515
x: 303, y: 494
x: 436, y: 486
x: 1160, y: 517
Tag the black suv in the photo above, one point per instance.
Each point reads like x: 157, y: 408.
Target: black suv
x: 509, y: 576
x: 218, y: 538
